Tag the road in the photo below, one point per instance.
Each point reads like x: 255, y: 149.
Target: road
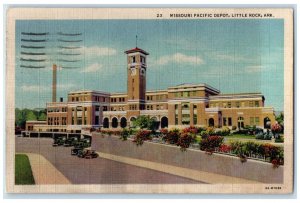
x: 94, y: 171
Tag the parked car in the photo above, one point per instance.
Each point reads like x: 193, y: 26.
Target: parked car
x: 58, y: 141
x: 76, y: 150
x: 70, y: 141
x: 87, y: 154
x: 90, y: 154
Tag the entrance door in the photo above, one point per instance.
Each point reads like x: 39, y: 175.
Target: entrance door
x: 211, y: 122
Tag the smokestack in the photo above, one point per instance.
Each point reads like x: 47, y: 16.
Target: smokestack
x: 54, y: 68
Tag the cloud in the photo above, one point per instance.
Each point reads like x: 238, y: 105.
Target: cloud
x: 228, y: 57
x: 99, y: 51
x: 180, y: 58
x: 43, y: 88
x: 95, y: 67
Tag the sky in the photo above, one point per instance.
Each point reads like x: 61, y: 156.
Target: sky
x: 234, y: 56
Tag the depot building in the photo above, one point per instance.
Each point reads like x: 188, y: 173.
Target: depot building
x: 179, y: 106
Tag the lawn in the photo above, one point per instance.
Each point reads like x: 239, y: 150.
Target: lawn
x: 23, y: 173
x: 241, y: 136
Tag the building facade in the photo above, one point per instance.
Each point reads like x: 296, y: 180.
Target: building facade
x: 178, y: 106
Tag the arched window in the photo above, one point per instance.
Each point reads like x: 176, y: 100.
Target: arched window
x: 164, y: 122
x: 211, y: 122
x: 105, y: 123
x: 123, y: 122
x: 114, y: 122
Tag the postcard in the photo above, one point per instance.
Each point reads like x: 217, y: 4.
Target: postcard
x: 149, y: 100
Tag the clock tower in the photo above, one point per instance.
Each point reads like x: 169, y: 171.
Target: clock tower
x: 136, y: 78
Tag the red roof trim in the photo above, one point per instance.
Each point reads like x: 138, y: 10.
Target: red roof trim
x: 136, y: 49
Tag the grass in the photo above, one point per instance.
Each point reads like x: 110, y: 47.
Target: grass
x: 241, y: 136
x: 23, y: 173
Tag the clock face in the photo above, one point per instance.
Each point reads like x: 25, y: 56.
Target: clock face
x: 133, y: 71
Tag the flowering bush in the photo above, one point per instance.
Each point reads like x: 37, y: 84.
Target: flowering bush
x: 276, y: 128
x: 191, y: 129
x: 209, y: 131
x: 164, y: 131
x: 184, y: 141
x: 142, y: 136
x: 224, y: 148
x: 265, y: 151
x: 210, y: 143
x: 110, y: 132
x: 172, y: 136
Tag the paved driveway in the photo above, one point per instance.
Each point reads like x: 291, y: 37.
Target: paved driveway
x: 94, y: 171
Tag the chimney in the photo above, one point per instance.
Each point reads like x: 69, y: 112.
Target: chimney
x: 54, y: 68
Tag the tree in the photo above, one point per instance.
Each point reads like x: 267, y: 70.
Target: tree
x: 30, y: 116
x: 42, y: 116
x: 280, y: 118
x: 144, y: 122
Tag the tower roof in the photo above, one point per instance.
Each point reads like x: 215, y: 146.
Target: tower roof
x: 136, y: 49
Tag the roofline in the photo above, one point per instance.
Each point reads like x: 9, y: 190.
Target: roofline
x: 137, y: 50
x: 88, y: 91
x: 196, y: 85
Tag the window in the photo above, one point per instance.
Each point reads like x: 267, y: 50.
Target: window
x: 243, y: 104
x: 186, y: 94
x: 224, y: 121
x: 251, y: 103
x: 176, y: 119
x: 237, y: 104
x: 229, y: 104
x: 194, y: 93
x: 256, y: 104
x: 195, y: 114
x: 133, y: 59
x: 256, y: 120
x: 97, y: 108
x: 229, y: 121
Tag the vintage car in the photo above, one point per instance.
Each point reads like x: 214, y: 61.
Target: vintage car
x: 58, y: 141
x: 76, y: 150
x: 70, y: 141
x: 87, y: 154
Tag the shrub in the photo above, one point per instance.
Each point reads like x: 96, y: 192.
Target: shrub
x: 142, y: 136
x: 238, y: 148
x: 209, y: 131
x: 125, y: 133
x: 201, y: 129
x: 276, y: 128
x: 210, y: 143
x: 264, y: 136
x: 243, y: 150
x: 225, y: 131
x: 172, y: 136
x: 144, y: 122
x: 279, y: 139
x: 164, y: 131
x: 184, y: 141
x: 191, y: 129
x: 224, y: 148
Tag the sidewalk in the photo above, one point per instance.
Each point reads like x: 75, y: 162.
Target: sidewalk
x: 202, y: 176
x: 44, y: 172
